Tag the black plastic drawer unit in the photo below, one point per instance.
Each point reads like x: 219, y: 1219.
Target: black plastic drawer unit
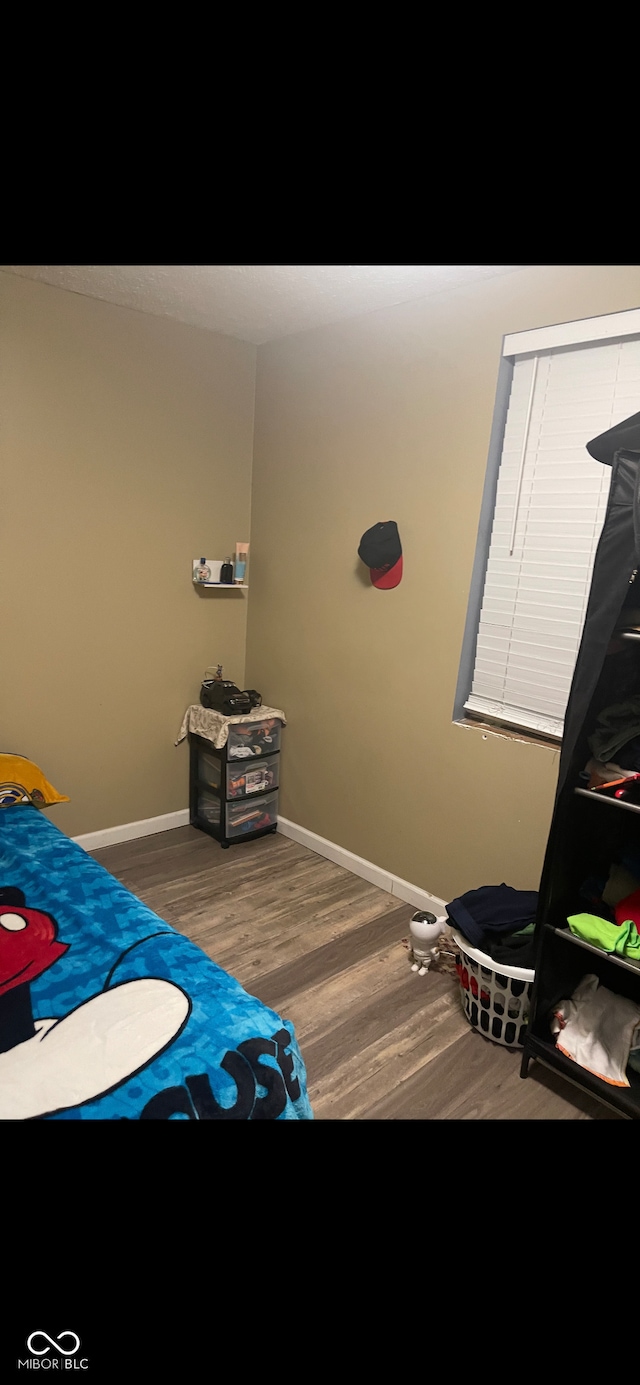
x: 233, y: 791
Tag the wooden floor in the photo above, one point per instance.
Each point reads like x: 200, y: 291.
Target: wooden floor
x: 324, y: 948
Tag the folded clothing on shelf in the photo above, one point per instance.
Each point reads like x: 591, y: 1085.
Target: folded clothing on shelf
x: 616, y: 726
x: 628, y: 909
x: 598, y: 1030
x: 499, y: 921
x: 622, y: 882
x: 621, y: 937
x: 596, y: 772
x: 618, y: 888
x: 629, y: 756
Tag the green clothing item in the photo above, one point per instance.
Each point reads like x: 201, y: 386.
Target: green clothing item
x: 623, y: 939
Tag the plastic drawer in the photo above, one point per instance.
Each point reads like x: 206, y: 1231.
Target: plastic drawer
x: 252, y: 816
x: 246, y: 779
x: 209, y: 769
x: 252, y: 738
x: 208, y: 807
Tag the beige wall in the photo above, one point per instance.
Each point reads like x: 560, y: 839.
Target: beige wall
x: 125, y: 451
x: 388, y: 416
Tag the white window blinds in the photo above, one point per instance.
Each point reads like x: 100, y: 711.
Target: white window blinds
x: 550, y: 505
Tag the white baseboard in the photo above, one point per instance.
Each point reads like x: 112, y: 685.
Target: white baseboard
x: 128, y: 831
x: 393, y: 884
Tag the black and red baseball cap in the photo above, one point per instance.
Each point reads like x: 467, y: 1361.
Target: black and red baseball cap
x: 381, y: 551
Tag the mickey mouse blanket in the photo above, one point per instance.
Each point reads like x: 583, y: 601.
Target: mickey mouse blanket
x: 108, y: 1013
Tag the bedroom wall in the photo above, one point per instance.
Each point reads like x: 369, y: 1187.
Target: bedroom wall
x: 125, y: 451
x: 388, y: 416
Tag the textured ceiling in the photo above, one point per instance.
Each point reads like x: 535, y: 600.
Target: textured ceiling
x: 257, y: 303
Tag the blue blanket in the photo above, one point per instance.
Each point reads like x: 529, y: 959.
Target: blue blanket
x: 108, y: 1013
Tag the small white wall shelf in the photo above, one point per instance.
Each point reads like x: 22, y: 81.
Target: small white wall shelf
x: 215, y: 565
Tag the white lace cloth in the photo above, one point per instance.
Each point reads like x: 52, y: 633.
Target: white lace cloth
x: 212, y: 726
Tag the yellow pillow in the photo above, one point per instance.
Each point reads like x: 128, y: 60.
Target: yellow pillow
x: 22, y: 782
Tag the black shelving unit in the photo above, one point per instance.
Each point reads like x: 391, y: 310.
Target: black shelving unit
x: 589, y: 830
x: 233, y: 791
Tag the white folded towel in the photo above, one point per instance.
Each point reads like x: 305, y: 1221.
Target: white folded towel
x: 597, y: 1029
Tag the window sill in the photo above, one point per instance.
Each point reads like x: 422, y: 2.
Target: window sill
x: 508, y: 733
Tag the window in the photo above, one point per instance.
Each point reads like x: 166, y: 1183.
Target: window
x: 542, y: 513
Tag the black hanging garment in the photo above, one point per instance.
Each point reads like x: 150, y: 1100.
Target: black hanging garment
x: 598, y: 682
x: 616, y: 561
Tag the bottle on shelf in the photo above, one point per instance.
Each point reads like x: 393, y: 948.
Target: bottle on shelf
x: 226, y: 571
x: 242, y: 553
x: 203, y: 573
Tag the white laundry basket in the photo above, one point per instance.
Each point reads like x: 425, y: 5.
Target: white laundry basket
x: 495, y: 998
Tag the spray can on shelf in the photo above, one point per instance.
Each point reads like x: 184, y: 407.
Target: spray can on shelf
x: 242, y: 553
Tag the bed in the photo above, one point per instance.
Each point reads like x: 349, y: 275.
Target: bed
x: 108, y: 1013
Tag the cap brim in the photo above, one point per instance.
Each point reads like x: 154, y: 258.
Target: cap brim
x: 385, y: 578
